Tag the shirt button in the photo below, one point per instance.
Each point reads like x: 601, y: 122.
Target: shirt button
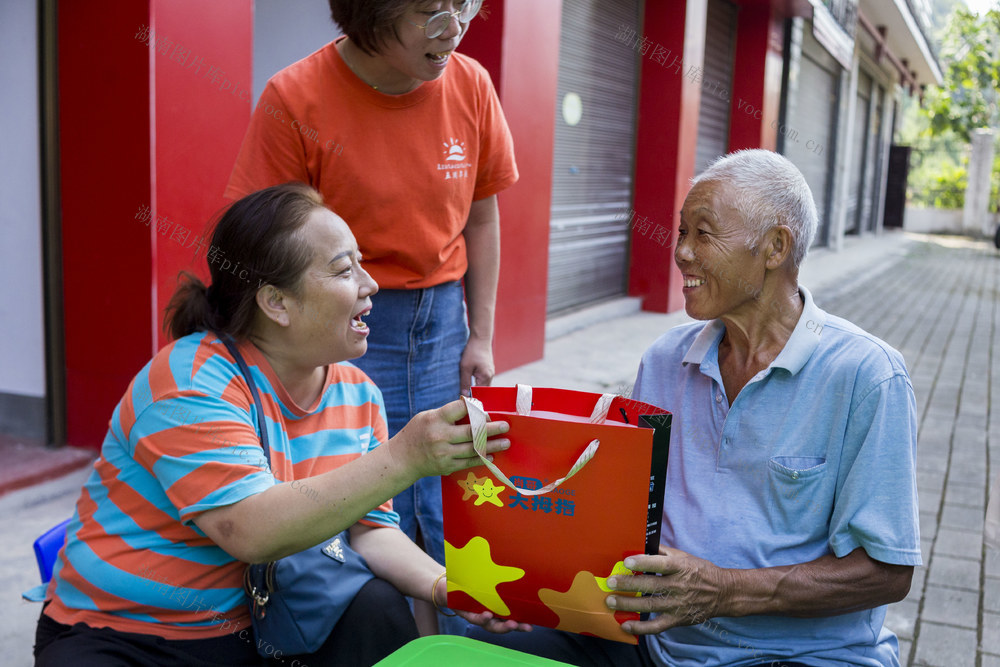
x: 795, y: 475
x: 718, y: 398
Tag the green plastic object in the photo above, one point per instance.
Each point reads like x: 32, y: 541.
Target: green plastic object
x: 440, y: 650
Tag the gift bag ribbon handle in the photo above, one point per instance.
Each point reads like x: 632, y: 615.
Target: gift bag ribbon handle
x: 478, y: 419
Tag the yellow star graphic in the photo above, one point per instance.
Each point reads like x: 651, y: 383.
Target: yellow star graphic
x: 582, y: 609
x: 619, y: 568
x: 488, y: 493
x: 471, y: 570
x: 467, y: 484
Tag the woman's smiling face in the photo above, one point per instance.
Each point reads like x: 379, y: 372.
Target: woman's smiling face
x: 416, y: 56
x: 333, y: 294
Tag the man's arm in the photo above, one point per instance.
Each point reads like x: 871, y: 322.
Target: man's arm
x: 690, y: 590
x: 482, y: 243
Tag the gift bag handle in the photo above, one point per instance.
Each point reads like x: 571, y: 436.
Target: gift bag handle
x: 478, y: 419
x: 600, y: 413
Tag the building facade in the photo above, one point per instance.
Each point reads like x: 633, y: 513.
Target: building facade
x: 132, y: 116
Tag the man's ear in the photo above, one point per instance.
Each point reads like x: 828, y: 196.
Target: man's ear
x: 274, y: 304
x: 778, y: 246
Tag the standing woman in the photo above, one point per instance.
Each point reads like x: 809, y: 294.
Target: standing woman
x: 182, y: 497
x: 406, y: 140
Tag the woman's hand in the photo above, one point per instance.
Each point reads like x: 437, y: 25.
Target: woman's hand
x: 476, y: 364
x: 485, y: 620
x: 499, y: 626
x: 432, y: 444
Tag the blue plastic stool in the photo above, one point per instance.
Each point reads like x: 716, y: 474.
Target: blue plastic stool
x: 47, y: 548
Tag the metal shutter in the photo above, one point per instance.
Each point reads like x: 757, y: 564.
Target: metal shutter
x: 858, y: 196
x: 713, y: 118
x: 810, y: 139
x: 876, y: 158
x: 593, y: 160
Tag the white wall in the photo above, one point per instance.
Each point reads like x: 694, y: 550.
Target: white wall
x: 932, y: 220
x: 22, y: 339
x: 285, y: 31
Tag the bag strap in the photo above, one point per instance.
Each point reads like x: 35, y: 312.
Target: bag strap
x: 230, y: 344
x: 254, y: 576
x: 478, y: 419
x: 522, y: 404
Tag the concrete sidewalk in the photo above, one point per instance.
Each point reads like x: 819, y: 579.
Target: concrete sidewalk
x: 933, y: 298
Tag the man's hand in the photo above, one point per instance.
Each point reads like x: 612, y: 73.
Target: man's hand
x: 687, y: 590
x: 690, y: 590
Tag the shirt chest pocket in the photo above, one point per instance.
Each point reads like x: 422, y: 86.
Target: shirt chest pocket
x: 799, y: 497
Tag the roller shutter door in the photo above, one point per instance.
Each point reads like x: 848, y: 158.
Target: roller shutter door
x: 713, y: 117
x: 876, y: 158
x: 810, y: 140
x: 859, y: 194
x: 593, y: 159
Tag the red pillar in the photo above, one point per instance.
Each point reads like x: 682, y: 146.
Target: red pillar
x: 526, y: 80
x: 139, y: 130
x: 666, y: 138
x: 756, y: 78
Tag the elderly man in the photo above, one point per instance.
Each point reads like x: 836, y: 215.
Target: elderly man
x: 790, y: 517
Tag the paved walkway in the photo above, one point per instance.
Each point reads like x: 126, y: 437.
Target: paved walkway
x: 939, y: 307
x: 935, y: 299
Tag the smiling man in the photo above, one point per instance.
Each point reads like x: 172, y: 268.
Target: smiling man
x: 790, y: 517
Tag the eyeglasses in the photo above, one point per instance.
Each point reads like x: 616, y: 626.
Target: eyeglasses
x: 437, y: 24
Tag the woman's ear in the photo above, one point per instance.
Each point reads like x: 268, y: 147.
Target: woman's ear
x: 274, y: 304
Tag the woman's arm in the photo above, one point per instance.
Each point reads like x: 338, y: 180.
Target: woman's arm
x: 290, y: 517
x: 392, y: 556
x: 482, y: 246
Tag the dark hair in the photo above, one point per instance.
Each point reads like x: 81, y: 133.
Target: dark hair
x: 369, y: 23
x: 259, y: 233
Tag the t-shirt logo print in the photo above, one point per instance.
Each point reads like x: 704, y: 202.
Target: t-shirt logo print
x: 455, y: 165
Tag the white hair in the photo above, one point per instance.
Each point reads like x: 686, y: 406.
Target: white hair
x: 768, y: 190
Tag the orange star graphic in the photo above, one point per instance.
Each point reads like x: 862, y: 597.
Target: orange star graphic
x: 582, y: 609
x: 467, y: 484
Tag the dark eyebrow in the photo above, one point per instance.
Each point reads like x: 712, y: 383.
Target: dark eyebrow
x: 346, y: 253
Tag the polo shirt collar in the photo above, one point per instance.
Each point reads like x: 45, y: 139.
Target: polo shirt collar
x: 797, y: 350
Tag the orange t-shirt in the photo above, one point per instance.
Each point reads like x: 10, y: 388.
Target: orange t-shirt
x: 402, y: 170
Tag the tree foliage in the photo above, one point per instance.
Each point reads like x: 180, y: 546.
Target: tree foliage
x: 970, y: 50
x: 940, y: 129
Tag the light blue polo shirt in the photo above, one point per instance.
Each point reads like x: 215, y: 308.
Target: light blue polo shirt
x: 816, y: 455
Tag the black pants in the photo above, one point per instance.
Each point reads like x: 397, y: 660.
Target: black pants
x: 376, y: 623
x: 581, y: 650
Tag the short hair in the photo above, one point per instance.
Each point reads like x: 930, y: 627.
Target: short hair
x: 767, y: 190
x: 257, y: 242
x: 369, y: 23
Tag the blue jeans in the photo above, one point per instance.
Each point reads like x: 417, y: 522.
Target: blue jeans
x: 414, y: 350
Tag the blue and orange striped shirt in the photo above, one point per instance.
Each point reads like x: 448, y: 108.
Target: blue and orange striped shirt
x: 183, y: 440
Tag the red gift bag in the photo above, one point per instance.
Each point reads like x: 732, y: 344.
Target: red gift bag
x: 534, y: 535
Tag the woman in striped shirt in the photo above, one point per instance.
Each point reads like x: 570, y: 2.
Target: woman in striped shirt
x: 182, y: 497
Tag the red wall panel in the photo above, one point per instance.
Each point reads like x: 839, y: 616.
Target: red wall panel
x: 104, y: 132
x: 528, y: 79
x: 756, y: 79
x: 120, y: 104
x: 202, y: 109
x: 666, y: 140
